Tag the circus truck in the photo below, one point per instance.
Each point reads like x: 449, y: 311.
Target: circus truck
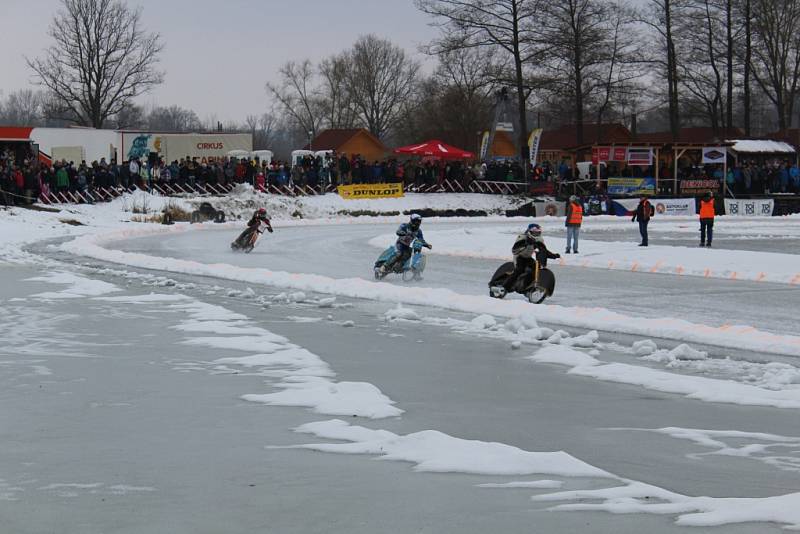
x: 176, y: 146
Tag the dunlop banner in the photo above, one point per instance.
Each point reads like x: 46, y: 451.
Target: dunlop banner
x: 355, y: 191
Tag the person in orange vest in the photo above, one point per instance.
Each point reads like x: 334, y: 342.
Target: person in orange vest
x: 573, y: 223
x: 643, y: 213
x: 707, y: 219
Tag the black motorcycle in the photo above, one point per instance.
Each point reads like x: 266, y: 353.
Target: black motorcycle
x: 535, y: 283
x: 247, y: 239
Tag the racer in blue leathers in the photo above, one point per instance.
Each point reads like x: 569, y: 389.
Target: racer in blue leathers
x: 406, y: 234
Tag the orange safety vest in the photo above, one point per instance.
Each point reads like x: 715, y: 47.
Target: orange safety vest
x: 576, y: 216
x: 706, y: 209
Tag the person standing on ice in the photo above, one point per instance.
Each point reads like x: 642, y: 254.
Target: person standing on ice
x: 573, y: 223
x: 406, y: 235
x: 707, y: 219
x: 644, y: 211
x: 526, y: 247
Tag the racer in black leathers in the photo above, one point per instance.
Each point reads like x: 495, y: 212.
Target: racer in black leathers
x: 525, y: 246
x: 254, y: 225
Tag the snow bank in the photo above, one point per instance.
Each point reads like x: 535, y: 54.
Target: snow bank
x: 693, y: 387
x: 79, y: 286
x: 740, y: 337
x: 436, y: 452
x: 637, y: 497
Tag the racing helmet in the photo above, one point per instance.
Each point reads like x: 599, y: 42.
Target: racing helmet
x: 262, y: 212
x: 416, y: 220
x: 534, y: 231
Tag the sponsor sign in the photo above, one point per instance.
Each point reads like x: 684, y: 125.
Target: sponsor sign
x: 600, y: 153
x: 620, y: 153
x: 632, y: 186
x: 662, y: 206
x: 699, y: 187
x: 713, y: 154
x: 750, y: 207
x: 355, y: 191
x: 675, y: 206
x: 533, y: 144
x: 484, y: 145
x: 640, y: 156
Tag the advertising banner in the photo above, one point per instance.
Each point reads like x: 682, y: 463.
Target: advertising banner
x: 632, y: 186
x: 699, y: 187
x: 533, y: 144
x: 640, y: 156
x: 762, y: 207
x: 356, y: 191
x: 675, y: 206
x: 620, y: 154
x: 663, y: 206
x: 600, y: 153
x: 484, y: 146
x: 713, y: 154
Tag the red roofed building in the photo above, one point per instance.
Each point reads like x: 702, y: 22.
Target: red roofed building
x: 562, y: 143
x: 350, y: 141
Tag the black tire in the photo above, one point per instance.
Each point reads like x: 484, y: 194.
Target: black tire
x: 547, y: 281
x: 501, y: 274
x: 536, y: 296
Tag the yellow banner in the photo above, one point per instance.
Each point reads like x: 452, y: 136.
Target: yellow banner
x: 355, y: 191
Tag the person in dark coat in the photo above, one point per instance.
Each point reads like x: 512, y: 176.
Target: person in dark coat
x: 644, y: 211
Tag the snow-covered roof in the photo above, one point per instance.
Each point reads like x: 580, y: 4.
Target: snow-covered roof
x: 753, y: 146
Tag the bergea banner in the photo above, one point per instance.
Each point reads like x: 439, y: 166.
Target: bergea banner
x: 356, y: 191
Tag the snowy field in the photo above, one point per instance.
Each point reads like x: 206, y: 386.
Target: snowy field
x: 148, y: 367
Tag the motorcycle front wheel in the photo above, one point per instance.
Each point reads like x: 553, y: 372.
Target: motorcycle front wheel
x: 536, y: 295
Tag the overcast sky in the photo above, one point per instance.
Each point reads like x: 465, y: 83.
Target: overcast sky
x: 220, y: 53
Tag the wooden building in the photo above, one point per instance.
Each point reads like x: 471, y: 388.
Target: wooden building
x: 350, y: 141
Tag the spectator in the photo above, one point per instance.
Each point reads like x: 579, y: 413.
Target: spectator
x: 706, y: 219
x: 644, y: 211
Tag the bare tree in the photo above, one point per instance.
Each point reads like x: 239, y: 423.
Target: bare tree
x: 659, y: 17
x: 381, y: 78
x: 776, y: 54
x: 703, y: 70
x: 621, y: 71
x: 453, y: 104
x: 262, y: 128
x: 297, y: 97
x: 23, y: 108
x: 336, y: 97
x: 511, y: 26
x: 100, y: 60
x: 131, y: 117
x: 173, y: 119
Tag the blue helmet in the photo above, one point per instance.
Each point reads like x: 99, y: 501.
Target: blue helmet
x: 534, y: 230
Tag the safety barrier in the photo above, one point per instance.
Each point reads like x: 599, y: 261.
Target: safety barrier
x: 292, y: 190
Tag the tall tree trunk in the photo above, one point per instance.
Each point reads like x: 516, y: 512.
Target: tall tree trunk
x: 672, y: 73
x: 747, y: 59
x: 522, y: 135
x: 729, y: 96
x: 578, y: 83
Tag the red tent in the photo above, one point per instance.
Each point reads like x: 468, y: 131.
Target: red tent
x: 435, y: 148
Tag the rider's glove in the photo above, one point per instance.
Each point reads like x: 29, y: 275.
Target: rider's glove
x: 428, y: 246
x: 270, y: 229
x: 558, y: 256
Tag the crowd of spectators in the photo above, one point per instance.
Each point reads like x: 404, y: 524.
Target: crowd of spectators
x: 23, y: 177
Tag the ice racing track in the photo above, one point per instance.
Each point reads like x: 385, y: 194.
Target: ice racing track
x: 460, y: 376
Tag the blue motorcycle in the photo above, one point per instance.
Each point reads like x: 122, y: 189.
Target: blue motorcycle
x: 409, y: 270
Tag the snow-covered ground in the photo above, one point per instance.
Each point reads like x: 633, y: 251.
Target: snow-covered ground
x: 181, y: 348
